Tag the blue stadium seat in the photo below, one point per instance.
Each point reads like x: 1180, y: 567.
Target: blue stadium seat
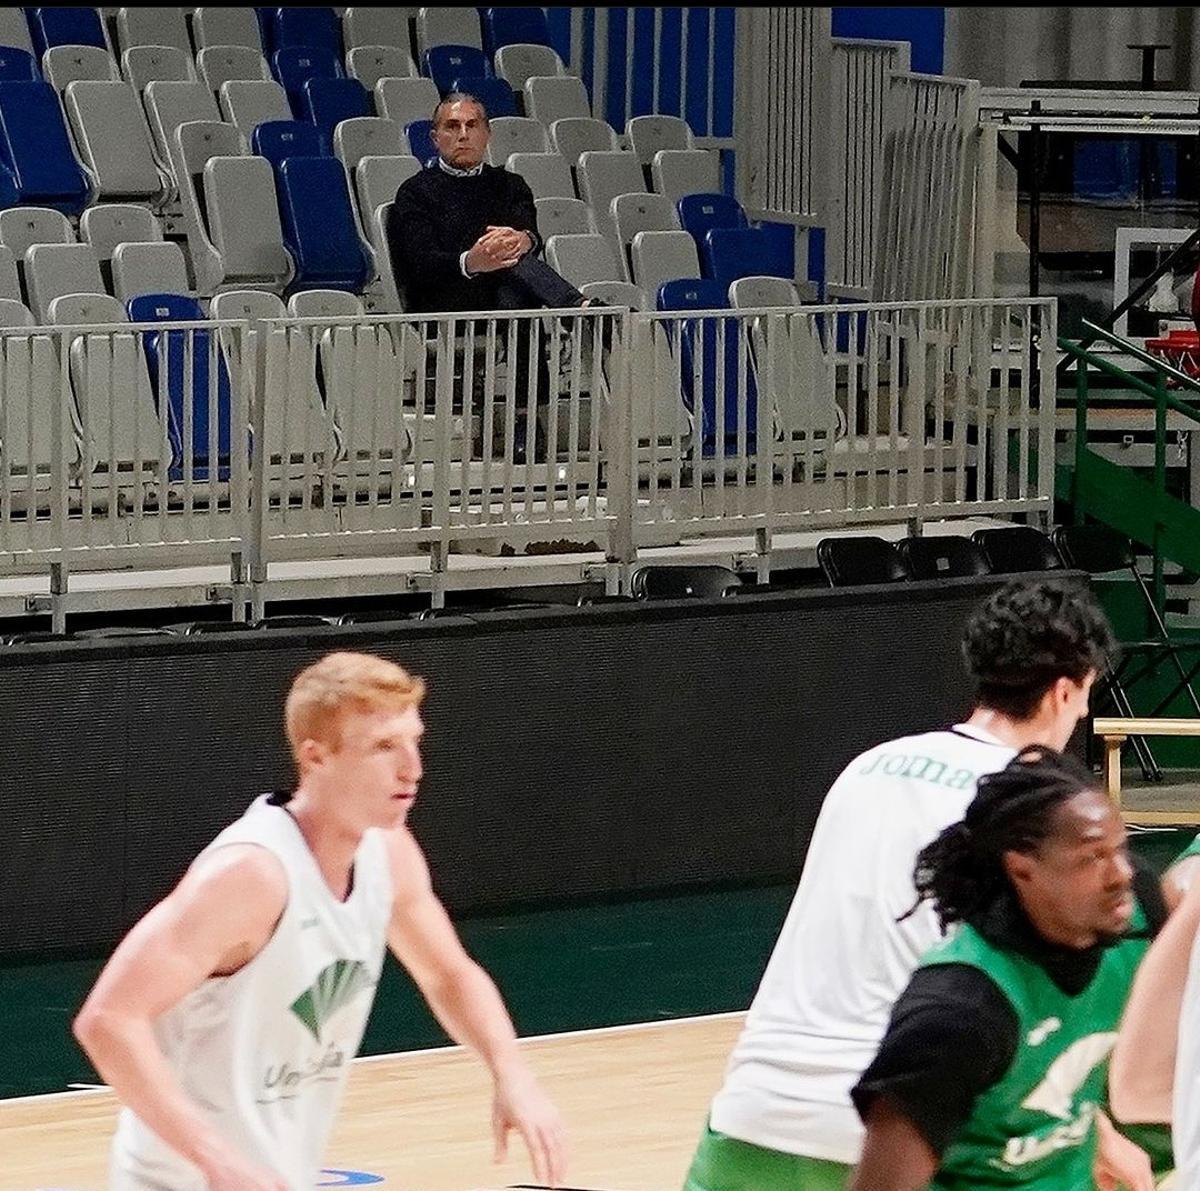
x: 685, y: 295
x: 294, y: 65
x: 166, y: 355
x: 318, y: 225
x: 509, y: 26
x: 445, y: 63
x: 277, y: 140
x: 420, y: 139
x: 266, y: 30
x: 728, y: 253
x: 329, y: 101
x: 698, y: 213
x: 35, y: 148
x: 16, y: 65
x: 8, y: 190
x: 495, y: 94
x: 306, y: 26
x: 51, y: 26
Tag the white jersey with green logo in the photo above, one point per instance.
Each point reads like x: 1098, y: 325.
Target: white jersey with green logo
x: 842, y: 959
x: 264, y: 1053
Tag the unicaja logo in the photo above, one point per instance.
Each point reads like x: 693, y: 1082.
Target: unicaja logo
x: 337, y: 985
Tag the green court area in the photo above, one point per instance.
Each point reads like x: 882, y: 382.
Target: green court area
x: 567, y: 968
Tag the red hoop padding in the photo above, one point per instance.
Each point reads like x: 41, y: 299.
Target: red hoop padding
x: 1181, y: 348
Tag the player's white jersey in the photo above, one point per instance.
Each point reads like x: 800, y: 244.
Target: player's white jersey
x: 842, y: 958
x: 264, y: 1053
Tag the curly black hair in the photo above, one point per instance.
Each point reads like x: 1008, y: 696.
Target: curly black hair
x: 1025, y: 636
x: 961, y: 872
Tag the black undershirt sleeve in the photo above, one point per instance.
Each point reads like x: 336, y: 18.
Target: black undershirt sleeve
x: 952, y: 1035
x: 1148, y: 890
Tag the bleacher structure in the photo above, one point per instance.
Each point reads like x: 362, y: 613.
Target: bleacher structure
x: 205, y: 361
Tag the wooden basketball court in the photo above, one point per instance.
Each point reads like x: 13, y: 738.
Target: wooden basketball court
x: 634, y: 1097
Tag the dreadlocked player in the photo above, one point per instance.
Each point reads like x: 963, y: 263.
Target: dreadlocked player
x: 993, y: 1066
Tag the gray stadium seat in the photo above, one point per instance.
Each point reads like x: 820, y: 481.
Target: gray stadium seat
x: 22, y: 227
x: 602, y: 177
x: 515, y: 134
x: 633, y: 213
x: 367, y: 136
x: 370, y: 63
x: 243, y: 221
x: 52, y: 270
x: 226, y: 26
x: 63, y: 64
x: 548, y: 174
x: 377, y: 179
x: 170, y: 104
x: 250, y: 103
x: 617, y: 293
x: 154, y: 268
x: 114, y: 142
x: 751, y: 293
x: 324, y: 303
x: 10, y: 284
x: 377, y: 235
x: 584, y: 259
x: 377, y: 24
x: 448, y: 26
x: 146, y: 64
x: 219, y: 64
x: 14, y: 29
x: 563, y: 217
x: 676, y: 172
x: 406, y: 100
x: 663, y: 256
x: 518, y: 63
x: 650, y: 134
x: 573, y: 136
x: 107, y: 225
x: 556, y: 97
x: 137, y: 26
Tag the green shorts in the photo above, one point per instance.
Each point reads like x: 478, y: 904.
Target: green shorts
x: 725, y: 1164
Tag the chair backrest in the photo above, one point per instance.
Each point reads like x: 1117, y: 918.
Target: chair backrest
x: 248, y: 103
x: 942, y: 557
x: 448, y: 26
x: 319, y: 228
x: 22, y: 227
x: 757, y: 293
x: 406, y: 100
x: 36, y: 149
x: 547, y: 174
x: 659, y: 257
x: 582, y: 259
x: 676, y: 172
x: 277, y: 140
x: 370, y: 63
x: 14, y: 313
x: 1017, y: 548
x: 1094, y: 548
x: 859, y: 561
x: 171, y: 104
x: 650, y: 134
x: 617, y: 293
x: 249, y: 304
x: 243, y: 217
x: 700, y: 213
x: 55, y: 269
x: 556, y: 97
x: 14, y: 31
x: 633, y: 213
x: 308, y: 25
x: 420, y: 139
x: 200, y: 141
x: 55, y: 26
x: 517, y: 64
x: 495, y: 94
x: 324, y: 303
x: 563, y: 217
x: 65, y: 64
x: 602, y: 177
x: 732, y: 252
x: 137, y: 26
x: 377, y: 25
x: 148, y: 269
x: 114, y: 141
x: 445, y: 63
x: 17, y: 65
x: 10, y: 283
x: 573, y: 136
x: 226, y: 26
x: 327, y: 102
x: 146, y: 64
x: 294, y: 65
x: 378, y: 178
x: 110, y: 224
x: 367, y: 136
x: 222, y: 63
x: 669, y: 582
x: 504, y: 26
x: 515, y: 134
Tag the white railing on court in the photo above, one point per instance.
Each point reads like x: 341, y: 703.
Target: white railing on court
x: 860, y: 75
x: 142, y: 446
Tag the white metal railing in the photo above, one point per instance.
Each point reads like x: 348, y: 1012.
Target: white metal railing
x: 142, y: 446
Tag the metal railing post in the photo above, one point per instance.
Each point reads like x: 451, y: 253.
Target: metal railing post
x: 1160, y: 485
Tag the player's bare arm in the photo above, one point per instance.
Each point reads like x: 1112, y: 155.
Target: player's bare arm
x: 896, y: 1157
x: 467, y: 1004
x: 215, y: 921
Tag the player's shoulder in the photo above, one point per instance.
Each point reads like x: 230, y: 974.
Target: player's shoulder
x: 237, y: 872
x: 406, y: 861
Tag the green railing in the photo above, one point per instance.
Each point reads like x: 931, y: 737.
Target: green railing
x: 1155, y: 393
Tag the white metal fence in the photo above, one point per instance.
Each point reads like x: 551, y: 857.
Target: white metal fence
x: 143, y: 446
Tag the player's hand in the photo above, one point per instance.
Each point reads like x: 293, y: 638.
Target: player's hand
x: 1119, y: 1162
x: 231, y: 1172
x: 519, y: 1103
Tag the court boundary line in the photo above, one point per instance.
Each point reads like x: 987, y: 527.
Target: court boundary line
x: 630, y: 1027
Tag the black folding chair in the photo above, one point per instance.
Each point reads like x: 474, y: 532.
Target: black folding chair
x: 943, y: 558
x: 858, y: 561
x: 678, y: 583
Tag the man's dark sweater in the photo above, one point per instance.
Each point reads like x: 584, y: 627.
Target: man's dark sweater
x: 436, y: 217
